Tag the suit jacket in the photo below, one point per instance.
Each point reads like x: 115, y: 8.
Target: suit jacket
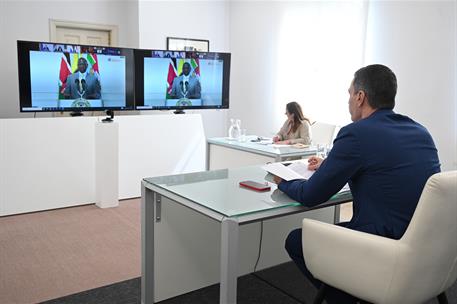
x: 302, y: 135
x: 193, y: 88
x: 92, y: 87
x: 386, y: 158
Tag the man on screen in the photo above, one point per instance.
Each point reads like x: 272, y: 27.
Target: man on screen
x: 186, y: 85
x: 82, y: 84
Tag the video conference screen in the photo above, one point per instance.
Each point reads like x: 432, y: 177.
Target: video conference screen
x: 181, y: 79
x: 67, y: 77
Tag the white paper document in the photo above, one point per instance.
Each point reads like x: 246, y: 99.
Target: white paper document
x: 295, y: 170
x: 302, y: 169
x: 345, y: 188
x: 279, y: 145
x: 265, y: 141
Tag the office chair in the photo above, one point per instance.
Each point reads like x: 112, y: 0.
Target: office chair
x: 322, y: 133
x: 419, y: 266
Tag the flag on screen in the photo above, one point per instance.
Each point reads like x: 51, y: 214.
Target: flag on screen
x: 179, y: 66
x: 65, y: 70
x: 195, y: 66
x: 74, y: 62
x: 171, y: 76
x: 93, y: 65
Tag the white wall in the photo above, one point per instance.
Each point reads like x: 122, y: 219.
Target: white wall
x: 254, y: 29
x: 191, y: 19
x: 29, y: 20
x: 418, y: 41
x: 304, y: 51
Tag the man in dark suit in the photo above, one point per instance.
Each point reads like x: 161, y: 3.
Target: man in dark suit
x: 82, y: 83
x: 385, y: 157
x: 186, y: 85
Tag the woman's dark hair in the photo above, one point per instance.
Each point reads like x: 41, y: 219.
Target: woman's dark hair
x: 379, y: 84
x: 294, y: 108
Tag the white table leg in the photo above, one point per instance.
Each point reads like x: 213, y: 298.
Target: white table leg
x: 229, y: 260
x: 336, y: 214
x: 147, y: 245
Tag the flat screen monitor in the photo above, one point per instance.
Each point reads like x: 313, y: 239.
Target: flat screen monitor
x: 70, y: 77
x: 181, y: 80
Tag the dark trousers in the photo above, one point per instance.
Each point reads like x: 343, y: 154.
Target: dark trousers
x: 294, y: 248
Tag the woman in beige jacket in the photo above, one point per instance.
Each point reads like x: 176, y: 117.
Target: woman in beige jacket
x: 296, y: 129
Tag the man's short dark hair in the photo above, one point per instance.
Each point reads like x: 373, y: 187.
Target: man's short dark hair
x: 379, y: 84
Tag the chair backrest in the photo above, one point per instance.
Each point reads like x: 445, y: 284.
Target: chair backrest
x: 427, y: 257
x: 322, y: 133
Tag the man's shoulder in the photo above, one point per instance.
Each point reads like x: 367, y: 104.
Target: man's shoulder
x: 175, y: 81
x: 91, y: 77
x: 382, y: 123
x: 366, y: 125
x: 380, y: 117
x: 193, y: 78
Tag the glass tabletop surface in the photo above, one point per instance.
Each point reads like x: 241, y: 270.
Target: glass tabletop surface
x: 262, y: 146
x: 219, y: 190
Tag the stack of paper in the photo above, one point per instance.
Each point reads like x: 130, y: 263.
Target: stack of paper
x: 296, y: 170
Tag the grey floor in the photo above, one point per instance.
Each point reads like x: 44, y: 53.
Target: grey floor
x: 282, y: 284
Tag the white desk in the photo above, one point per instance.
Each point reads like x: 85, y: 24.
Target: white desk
x: 57, y: 157
x: 224, y: 153
x: 215, y: 198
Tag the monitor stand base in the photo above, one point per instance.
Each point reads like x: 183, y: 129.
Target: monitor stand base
x: 110, y: 113
x: 179, y: 111
x: 74, y: 114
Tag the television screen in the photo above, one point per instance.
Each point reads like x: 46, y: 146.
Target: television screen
x: 69, y: 77
x: 181, y: 80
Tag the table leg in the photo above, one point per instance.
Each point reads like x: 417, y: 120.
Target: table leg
x: 336, y: 214
x: 147, y: 245
x: 229, y: 260
x: 207, y: 160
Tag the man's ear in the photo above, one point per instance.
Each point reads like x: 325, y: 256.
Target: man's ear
x: 361, y: 98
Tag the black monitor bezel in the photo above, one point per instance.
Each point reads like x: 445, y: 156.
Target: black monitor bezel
x: 25, y: 94
x: 140, y: 54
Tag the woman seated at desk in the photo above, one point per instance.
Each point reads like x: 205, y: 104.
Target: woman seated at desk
x: 296, y: 129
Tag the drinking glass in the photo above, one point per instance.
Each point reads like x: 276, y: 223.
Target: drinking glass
x: 243, y: 135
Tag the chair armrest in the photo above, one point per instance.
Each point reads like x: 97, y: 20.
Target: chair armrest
x: 359, y: 263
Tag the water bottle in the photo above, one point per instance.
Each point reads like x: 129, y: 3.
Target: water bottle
x: 235, y: 129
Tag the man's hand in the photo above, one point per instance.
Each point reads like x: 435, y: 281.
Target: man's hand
x: 314, y: 162
x: 277, y: 179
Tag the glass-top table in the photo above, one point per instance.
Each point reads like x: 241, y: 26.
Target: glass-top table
x: 217, y: 195
x: 219, y: 191
x: 278, y: 152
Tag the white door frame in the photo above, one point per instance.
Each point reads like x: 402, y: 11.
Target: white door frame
x: 54, y: 24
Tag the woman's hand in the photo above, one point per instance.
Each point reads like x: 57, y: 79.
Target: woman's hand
x: 314, y: 162
x: 276, y: 138
x: 283, y: 142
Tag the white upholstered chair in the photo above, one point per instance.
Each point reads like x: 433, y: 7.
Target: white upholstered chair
x: 419, y: 266
x: 322, y: 133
